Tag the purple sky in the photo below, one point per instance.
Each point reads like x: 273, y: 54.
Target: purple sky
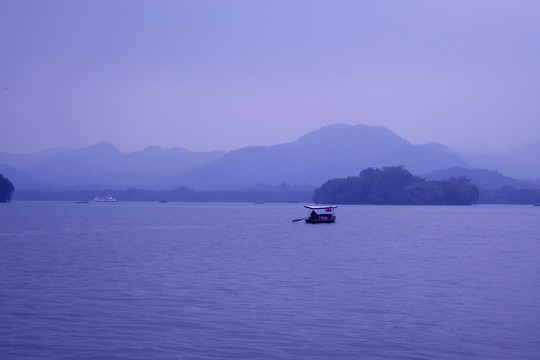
x: 210, y: 75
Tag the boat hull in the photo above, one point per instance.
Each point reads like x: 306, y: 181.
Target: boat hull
x: 320, y: 221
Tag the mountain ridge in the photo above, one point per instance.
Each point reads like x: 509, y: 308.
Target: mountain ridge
x: 337, y: 150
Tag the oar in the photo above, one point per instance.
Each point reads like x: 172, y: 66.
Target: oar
x: 295, y: 220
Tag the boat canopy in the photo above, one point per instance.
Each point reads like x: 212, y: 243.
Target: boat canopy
x: 320, y: 207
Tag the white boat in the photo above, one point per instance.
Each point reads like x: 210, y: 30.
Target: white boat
x: 107, y: 198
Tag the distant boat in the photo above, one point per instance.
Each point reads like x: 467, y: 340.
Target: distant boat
x: 81, y: 202
x: 537, y: 204
x: 319, y: 214
x: 107, y: 198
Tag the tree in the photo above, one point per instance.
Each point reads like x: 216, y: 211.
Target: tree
x: 6, y: 189
x: 394, y: 185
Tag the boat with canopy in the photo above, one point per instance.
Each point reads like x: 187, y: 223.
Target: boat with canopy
x: 319, y: 214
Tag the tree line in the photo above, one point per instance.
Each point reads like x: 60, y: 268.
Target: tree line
x: 6, y: 189
x: 395, y: 185
x: 259, y: 193
x: 389, y: 185
x: 510, y: 195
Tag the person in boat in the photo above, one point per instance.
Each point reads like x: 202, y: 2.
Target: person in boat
x: 313, y: 215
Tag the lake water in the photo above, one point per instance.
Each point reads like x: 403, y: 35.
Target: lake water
x: 241, y: 281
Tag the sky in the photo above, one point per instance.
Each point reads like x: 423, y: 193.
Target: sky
x: 208, y: 75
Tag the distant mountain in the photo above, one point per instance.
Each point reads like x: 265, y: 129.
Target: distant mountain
x: 102, y: 157
x: 522, y: 162
x: 102, y: 164
x: 163, y: 161
x: 21, y: 179
x: 484, y: 179
x: 503, y: 164
x: 528, y: 154
x: 420, y: 159
x: 20, y: 161
x: 471, y: 148
x: 332, y: 151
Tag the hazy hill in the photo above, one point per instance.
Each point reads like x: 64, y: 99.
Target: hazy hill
x: 332, y: 151
x: 20, y: 161
x: 420, y: 159
x: 467, y: 147
x: 528, y: 154
x: 102, y: 164
x: 484, y: 179
x: 21, y: 179
x: 521, y: 162
x: 98, y: 158
x: 503, y: 164
x: 162, y: 161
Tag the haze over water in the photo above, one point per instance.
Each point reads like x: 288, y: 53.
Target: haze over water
x: 217, y: 281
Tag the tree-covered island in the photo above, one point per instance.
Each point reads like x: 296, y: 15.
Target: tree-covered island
x: 6, y: 189
x: 395, y: 186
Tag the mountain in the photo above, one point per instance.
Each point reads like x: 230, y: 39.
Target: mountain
x: 22, y: 160
x: 21, y: 179
x: 503, y: 164
x: 102, y: 157
x: 484, y: 179
x: 522, y: 162
x: 420, y: 159
x: 163, y: 161
x: 333, y: 151
x: 102, y: 164
x: 467, y: 147
x: 528, y: 154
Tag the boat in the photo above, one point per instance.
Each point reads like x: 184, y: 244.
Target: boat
x: 320, y: 214
x: 81, y: 202
x: 107, y: 198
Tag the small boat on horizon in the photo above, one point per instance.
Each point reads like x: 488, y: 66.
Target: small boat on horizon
x: 107, y: 198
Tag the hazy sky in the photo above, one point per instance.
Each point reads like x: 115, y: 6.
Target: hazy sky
x: 210, y: 75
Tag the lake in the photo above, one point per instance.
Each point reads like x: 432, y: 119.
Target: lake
x: 133, y: 280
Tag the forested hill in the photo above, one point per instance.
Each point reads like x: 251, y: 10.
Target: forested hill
x: 396, y: 186
x: 6, y: 189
